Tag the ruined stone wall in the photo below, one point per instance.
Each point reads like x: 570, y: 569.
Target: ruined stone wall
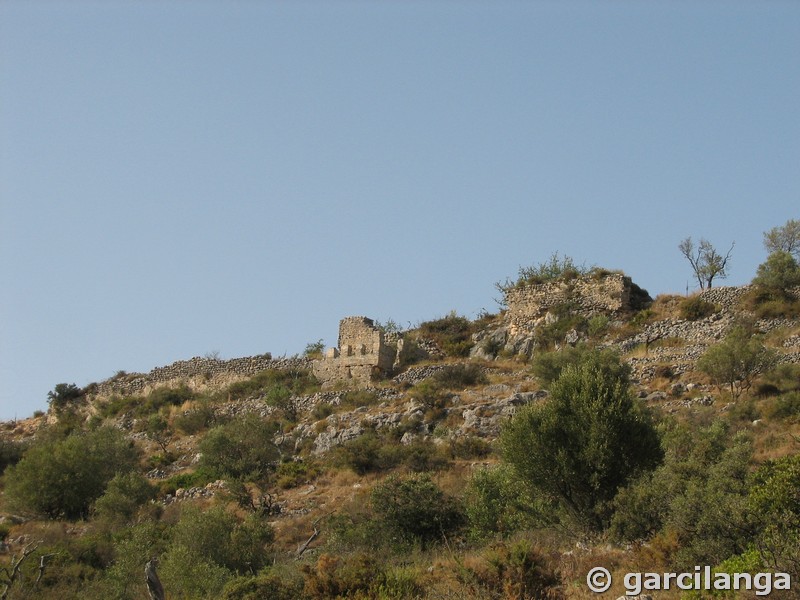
x: 362, y: 355
x: 590, y: 296
x: 195, y: 371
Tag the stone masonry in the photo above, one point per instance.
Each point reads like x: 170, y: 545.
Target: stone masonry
x: 591, y: 295
x: 197, y: 372
x: 363, y: 354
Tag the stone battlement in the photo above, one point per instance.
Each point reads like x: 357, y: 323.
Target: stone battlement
x: 363, y: 354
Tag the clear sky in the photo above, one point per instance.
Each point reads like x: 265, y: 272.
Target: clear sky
x: 179, y: 178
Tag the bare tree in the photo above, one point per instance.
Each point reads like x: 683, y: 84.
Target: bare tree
x: 12, y: 573
x: 706, y: 262
x: 785, y: 238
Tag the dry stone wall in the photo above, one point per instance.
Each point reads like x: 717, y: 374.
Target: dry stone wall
x: 197, y: 371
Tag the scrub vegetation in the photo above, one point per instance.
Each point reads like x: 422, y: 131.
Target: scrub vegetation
x: 480, y: 479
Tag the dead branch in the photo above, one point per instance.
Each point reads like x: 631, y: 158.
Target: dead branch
x: 12, y: 572
x: 303, y: 547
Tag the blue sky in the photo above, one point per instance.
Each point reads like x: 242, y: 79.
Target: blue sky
x: 178, y: 178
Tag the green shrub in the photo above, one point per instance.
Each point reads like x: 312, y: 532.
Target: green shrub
x: 459, y: 376
x: 585, y: 443
x: 415, y: 509
x: 566, y: 319
x: 263, y: 585
x: 195, y: 420
x: 775, y: 502
x: 11, y: 452
x: 166, y: 396
x: 698, y: 496
x: 123, y: 496
x: 469, y: 447
x: 358, y: 398
x: 314, y: 349
x: 735, y: 361
x: 242, y: 449
x: 293, y: 473
x: 695, y: 308
x: 785, y: 406
x: 423, y: 455
x: 200, y: 477
x: 220, y: 538
x: 547, y: 366
x: 430, y: 394
x: 354, y: 529
x: 453, y: 334
x: 778, y: 274
x: 64, y: 395
x: 518, y: 569
x: 62, y: 478
x: 296, y: 381
x: 597, y: 325
x: 497, y: 503
x: 364, y: 454
x: 333, y: 577
x: 322, y: 411
x: 555, y: 268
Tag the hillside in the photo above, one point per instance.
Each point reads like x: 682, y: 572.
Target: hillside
x: 388, y: 467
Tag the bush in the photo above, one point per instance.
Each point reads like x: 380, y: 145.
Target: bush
x: 366, y: 453
x: 415, y: 509
x: 566, y: 320
x: 219, y: 538
x: 496, y: 502
x: 195, y: 420
x: 459, y: 376
x: 314, y: 349
x: 357, y: 577
x: 11, y: 453
x: 165, y: 396
x: 64, y: 395
x: 518, y: 570
x: 778, y: 274
x: 774, y: 499
x: 200, y: 477
x: 262, y: 586
x: 371, y: 453
x: 585, y: 443
x: 698, y: 496
x: 62, y: 478
x: 695, y: 308
x: 123, y: 496
x: 296, y: 381
x: 736, y: 360
x: 555, y: 268
x: 293, y: 473
x: 785, y: 406
x: 358, y: 398
x: 451, y: 333
x: 242, y: 449
x: 547, y: 366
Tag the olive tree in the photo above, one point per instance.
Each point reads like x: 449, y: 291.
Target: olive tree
x: 62, y: 478
x: 736, y: 360
x: 785, y: 238
x: 579, y: 448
